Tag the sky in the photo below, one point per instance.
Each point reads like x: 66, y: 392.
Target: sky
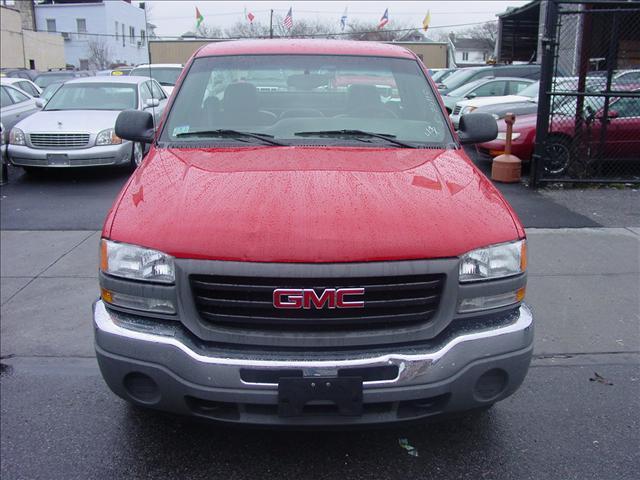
x: 173, y: 18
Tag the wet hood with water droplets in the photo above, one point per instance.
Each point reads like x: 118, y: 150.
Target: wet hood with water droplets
x: 310, y: 204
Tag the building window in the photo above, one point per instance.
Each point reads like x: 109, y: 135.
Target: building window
x: 132, y: 35
x: 465, y: 55
x: 84, y: 64
x: 51, y: 24
x: 117, y: 32
x: 143, y: 37
x: 81, y: 25
x: 123, y: 34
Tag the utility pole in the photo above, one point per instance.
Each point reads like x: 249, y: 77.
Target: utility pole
x: 271, y: 24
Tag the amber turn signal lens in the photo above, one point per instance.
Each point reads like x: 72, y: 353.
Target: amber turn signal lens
x: 523, y: 256
x: 104, y: 257
x: 520, y: 294
x: 106, y: 295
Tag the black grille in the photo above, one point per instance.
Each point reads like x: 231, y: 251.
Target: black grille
x: 457, y: 109
x: 248, y: 301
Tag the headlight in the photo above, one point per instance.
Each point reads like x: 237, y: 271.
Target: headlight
x: 136, y: 263
x: 108, y: 137
x: 468, y: 109
x: 16, y: 137
x: 503, y: 135
x: 496, y: 261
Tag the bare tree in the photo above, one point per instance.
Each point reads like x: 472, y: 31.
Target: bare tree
x: 99, y: 53
x: 369, y: 31
x: 486, y: 31
x: 243, y: 29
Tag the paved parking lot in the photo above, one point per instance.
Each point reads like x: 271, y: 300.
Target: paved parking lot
x: 59, y: 420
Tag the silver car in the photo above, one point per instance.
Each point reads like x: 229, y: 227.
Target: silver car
x: 76, y: 126
x: 15, y: 105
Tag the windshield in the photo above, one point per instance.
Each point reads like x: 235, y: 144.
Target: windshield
x: 94, y: 96
x: 302, y: 97
x: 466, y: 88
x: 166, y: 76
x: 458, y: 78
x: 48, y: 92
x: 531, y: 91
x: 45, y: 80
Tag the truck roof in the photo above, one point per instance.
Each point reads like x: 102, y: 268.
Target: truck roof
x: 305, y: 47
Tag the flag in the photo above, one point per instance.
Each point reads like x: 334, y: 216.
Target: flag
x: 250, y: 17
x: 288, y: 20
x: 343, y: 19
x: 384, y: 20
x: 427, y: 19
x: 199, y: 18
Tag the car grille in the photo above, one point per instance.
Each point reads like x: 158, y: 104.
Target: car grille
x: 248, y: 301
x: 457, y: 109
x: 59, y: 140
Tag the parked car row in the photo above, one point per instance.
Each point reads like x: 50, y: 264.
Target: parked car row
x: 72, y: 122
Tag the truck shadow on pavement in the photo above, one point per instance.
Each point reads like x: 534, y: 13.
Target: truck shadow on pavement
x: 165, y: 442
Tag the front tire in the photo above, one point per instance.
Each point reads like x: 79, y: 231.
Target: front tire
x: 137, y: 155
x: 557, y: 155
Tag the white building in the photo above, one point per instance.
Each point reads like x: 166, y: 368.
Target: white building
x: 470, y: 51
x: 96, y: 33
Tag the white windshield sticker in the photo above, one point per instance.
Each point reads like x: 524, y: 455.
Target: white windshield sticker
x: 181, y: 129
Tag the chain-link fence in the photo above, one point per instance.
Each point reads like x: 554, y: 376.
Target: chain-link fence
x: 588, y: 127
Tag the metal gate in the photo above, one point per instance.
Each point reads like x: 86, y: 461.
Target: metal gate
x: 588, y: 127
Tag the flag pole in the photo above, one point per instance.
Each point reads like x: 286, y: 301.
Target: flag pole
x: 271, y: 24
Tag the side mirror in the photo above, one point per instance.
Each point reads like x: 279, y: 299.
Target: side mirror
x: 476, y: 128
x: 135, y: 125
x: 40, y: 103
x: 471, y: 95
x: 151, y: 103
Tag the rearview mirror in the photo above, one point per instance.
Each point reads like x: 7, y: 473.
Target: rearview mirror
x: 39, y: 103
x: 135, y: 125
x: 471, y: 95
x: 151, y: 103
x: 476, y: 128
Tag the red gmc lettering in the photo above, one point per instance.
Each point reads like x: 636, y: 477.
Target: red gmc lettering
x: 308, y: 298
x: 351, y: 292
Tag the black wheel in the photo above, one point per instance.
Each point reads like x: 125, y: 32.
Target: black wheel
x: 557, y: 155
x: 137, y: 154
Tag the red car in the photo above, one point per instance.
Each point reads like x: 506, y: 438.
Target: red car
x: 622, y: 139
x: 310, y: 256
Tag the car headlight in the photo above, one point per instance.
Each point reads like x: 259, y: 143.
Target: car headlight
x: 468, y: 109
x: 503, y: 135
x: 495, y: 261
x: 108, y: 137
x: 136, y: 263
x: 16, y: 137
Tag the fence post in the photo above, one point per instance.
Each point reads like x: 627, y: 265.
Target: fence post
x: 549, y: 45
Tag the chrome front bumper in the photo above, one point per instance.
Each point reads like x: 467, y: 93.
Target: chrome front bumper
x: 182, y: 370
x: 25, y: 156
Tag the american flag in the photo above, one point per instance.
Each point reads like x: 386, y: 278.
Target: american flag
x: 384, y: 20
x: 288, y: 20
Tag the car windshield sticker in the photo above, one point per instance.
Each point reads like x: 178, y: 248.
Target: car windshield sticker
x: 181, y: 129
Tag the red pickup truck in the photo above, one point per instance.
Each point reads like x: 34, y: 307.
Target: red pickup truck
x: 310, y: 255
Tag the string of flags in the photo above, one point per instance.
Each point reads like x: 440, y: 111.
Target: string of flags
x: 288, y: 19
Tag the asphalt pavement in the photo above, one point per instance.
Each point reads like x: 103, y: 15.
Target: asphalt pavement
x: 575, y: 417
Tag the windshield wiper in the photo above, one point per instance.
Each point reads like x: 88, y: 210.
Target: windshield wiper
x: 356, y: 133
x: 223, y: 132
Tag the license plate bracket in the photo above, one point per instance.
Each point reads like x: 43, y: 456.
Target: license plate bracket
x: 57, y: 159
x: 296, y: 392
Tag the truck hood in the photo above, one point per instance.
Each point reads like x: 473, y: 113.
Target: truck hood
x: 90, y: 121
x: 310, y: 204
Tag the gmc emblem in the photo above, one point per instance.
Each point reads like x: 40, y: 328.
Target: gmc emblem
x: 308, y: 298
